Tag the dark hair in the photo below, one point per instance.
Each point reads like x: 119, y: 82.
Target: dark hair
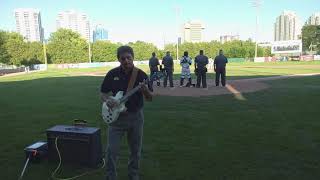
x: 168, y: 52
x: 185, y: 53
x: 201, y: 51
x: 153, y: 54
x: 124, y: 49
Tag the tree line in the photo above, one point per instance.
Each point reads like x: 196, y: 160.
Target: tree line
x: 311, y: 36
x: 66, y: 46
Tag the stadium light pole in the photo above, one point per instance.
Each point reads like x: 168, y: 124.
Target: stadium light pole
x: 177, y: 9
x: 45, y: 53
x: 89, y: 50
x: 89, y: 45
x: 256, y: 4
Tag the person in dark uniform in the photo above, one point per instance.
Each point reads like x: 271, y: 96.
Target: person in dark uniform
x: 153, y: 65
x: 200, y: 63
x: 220, y: 68
x: 167, y: 61
x: 129, y: 122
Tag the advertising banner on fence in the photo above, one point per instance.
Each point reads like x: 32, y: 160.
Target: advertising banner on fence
x: 259, y: 59
x: 286, y: 47
x: 316, y: 57
x: 306, y: 58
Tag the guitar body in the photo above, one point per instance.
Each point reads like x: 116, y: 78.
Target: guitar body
x: 110, y: 115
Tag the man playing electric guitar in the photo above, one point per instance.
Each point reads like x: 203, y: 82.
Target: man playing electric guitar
x: 124, y: 78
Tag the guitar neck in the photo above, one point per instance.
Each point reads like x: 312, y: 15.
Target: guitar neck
x: 128, y: 94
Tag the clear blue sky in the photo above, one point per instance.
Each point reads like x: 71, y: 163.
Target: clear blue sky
x: 155, y: 20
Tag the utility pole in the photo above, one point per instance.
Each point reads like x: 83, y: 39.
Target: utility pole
x: 89, y: 51
x: 256, y: 4
x: 177, y: 9
x: 45, y: 53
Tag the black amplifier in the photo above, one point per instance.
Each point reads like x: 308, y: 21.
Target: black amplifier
x: 76, y: 144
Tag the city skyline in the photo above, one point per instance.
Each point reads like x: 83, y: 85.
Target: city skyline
x: 157, y: 21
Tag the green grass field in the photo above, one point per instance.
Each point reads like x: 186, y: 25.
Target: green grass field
x: 274, y: 134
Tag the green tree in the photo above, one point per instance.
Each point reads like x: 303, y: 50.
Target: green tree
x: 66, y: 46
x: 33, y: 54
x: 266, y: 51
x: 311, y: 35
x: 16, y: 48
x: 104, y: 51
x: 4, y: 56
x: 232, y: 49
x: 192, y: 49
x: 249, y: 47
x: 172, y: 49
x: 142, y: 50
x: 17, y: 51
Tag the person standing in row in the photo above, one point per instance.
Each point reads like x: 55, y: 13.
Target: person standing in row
x: 200, y: 63
x: 153, y: 65
x: 185, y: 63
x: 220, y: 68
x: 167, y: 61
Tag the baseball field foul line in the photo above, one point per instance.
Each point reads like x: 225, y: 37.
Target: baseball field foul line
x: 236, y: 93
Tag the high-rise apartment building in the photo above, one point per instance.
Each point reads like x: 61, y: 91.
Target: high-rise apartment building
x: 28, y: 24
x: 77, y: 22
x: 314, y: 19
x: 287, y: 27
x: 193, y: 31
x: 100, y: 33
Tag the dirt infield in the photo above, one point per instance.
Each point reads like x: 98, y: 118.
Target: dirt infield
x: 241, y: 86
x: 236, y: 87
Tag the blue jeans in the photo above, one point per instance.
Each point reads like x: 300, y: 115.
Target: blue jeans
x: 130, y: 123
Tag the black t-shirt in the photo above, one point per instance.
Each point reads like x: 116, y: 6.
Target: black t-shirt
x: 167, y: 61
x: 201, y: 61
x: 153, y: 63
x: 116, y: 80
x: 220, y: 61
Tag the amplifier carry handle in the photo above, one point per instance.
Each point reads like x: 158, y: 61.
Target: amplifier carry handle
x: 79, y: 122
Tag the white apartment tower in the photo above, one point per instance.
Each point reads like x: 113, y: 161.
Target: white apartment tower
x: 314, y: 19
x: 77, y: 22
x: 28, y: 24
x: 193, y: 31
x: 227, y: 38
x: 287, y: 27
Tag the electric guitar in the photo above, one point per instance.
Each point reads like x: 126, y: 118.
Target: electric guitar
x: 110, y: 115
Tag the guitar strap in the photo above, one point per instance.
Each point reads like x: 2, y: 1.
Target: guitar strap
x: 133, y: 78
